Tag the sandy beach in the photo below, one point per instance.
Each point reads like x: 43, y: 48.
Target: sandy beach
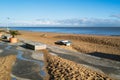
x: 106, y: 48
x: 89, y: 44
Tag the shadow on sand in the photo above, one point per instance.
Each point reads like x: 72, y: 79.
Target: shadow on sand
x: 105, y: 55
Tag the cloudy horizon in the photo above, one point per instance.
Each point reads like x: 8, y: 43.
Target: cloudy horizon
x: 83, y: 22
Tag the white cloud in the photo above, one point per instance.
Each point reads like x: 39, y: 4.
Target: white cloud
x: 116, y: 16
x: 91, y: 22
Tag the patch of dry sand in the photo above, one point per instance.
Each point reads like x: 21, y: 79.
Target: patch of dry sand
x: 6, y: 66
x: 62, y: 69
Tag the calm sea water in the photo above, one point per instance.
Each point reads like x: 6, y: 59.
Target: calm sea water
x: 74, y: 30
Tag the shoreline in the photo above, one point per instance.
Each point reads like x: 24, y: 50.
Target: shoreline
x: 117, y: 35
x: 46, y: 29
x: 59, y: 33
x: 74, y: 33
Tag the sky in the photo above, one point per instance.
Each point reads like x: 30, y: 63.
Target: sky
x: 80, y: 13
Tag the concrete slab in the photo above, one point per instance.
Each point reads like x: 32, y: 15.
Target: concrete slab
x: 35, y: 45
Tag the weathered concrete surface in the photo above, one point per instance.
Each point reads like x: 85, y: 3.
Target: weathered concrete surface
x: 109, y: 67
x: 26, y: 67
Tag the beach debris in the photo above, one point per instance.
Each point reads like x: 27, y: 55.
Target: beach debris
x: 63, y: 42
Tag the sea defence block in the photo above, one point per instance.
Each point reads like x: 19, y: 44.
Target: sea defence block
x: 35, y: 45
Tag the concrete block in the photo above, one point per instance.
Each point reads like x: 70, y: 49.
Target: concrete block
x: 35, y: 45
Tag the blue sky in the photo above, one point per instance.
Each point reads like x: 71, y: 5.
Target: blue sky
x: 60, y: 13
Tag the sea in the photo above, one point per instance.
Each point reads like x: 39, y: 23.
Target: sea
x: 112, y: 31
